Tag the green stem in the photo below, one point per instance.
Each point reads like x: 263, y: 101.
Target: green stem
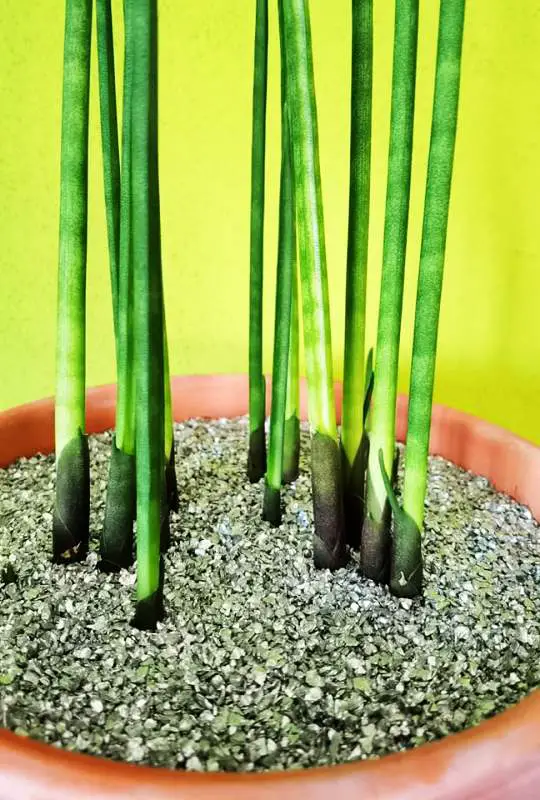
x: 148, y: 320
x: 291, y: 433
x: 376, y: 532
x: 71, y: 518
x: 406, y: 567
x: 173, y: 500
x: 125, y: 402
x: 116, y: 545
x: 282, y: 330
x: 168, y: 427
x: 329, y: 549
x: 352, y: 424
x: 291, y: 441
x: 282, y: 327
x: 109, y: 139
x: 257, y: 392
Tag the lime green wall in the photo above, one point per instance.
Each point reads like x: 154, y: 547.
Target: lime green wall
x: 489, y: 351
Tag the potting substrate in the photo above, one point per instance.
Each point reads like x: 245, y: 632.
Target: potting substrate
x: 262, y: 661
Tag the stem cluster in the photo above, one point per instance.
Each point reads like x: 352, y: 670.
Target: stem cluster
x: 142, y: 480
x: 353, y: 475
x: 354, y: 493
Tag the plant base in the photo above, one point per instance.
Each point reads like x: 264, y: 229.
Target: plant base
x: 171, y: 483
x: 116, y: 545
x: 354, y: 494
x: 329, y: 551
x: 406, y: 570
x: 272, y: 505
x: 375, y: 547
x: 151, y: 610
x: 291, y: 450
x: 377, y: 539
x: 257, y: 455
x: 72, y: 508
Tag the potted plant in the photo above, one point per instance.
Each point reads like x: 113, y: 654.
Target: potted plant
x: 274, y: 629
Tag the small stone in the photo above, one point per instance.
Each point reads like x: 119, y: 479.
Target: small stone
x: 135, y: 751
x: 313, y: 695
x: 313, y: 679
x: 362, y: 684
x: 461, y: 632
x: 259, y: 675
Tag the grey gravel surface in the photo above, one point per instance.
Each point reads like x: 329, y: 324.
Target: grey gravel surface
x: 262, y: 662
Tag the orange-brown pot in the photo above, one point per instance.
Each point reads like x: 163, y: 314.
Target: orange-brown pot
x: 497, y: 760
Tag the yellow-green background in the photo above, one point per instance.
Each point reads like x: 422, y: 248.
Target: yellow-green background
x: 489, y: 352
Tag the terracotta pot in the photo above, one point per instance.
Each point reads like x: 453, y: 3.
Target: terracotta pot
x: 498, y: 759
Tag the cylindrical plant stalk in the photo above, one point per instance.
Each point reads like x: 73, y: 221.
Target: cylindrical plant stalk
x: 375, y: 550
x: 291, y: 440
x: 282, y: 327
x: 353, y: 441
x: 257, y: 389
x: 329, y: 545
x: 148, y: 317
x: 169, y: 497
x: 109, y: 139
x: 72, y: 506
x: 116, y: 545
x: 406, y: 577
x: 171, y: 484
x: 282, y: 330
x: 170, y: 500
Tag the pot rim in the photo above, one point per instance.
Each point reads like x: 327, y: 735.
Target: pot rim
x: 499, y: 758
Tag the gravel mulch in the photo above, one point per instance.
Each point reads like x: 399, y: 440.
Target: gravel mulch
x: 262, y: 662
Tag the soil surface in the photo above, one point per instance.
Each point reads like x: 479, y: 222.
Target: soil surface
x: 262, y: 662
